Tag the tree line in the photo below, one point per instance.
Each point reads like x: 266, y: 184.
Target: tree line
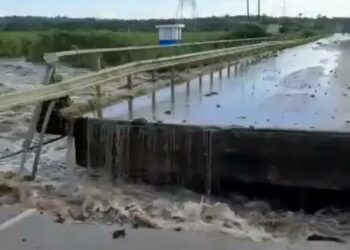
x: 224, y: 23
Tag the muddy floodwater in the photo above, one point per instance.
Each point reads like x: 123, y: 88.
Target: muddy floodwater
x: 307, y: 88
x: 302, y: 88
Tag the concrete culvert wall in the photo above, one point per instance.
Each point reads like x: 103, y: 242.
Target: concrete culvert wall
x: 205, y: 158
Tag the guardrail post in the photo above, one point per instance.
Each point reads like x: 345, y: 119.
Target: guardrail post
x: 200, y: 82
x: 212, y: 74
x: 220, y: 73
x: 172, y: 89
x: 130, y: 99
x: 41, y: 138
x: 95, y: 65
x: 188, y: 89
x: 129, y: 82
x: 98, y: 100
x: 154, y: 105
x: 200, y: 86
x: 236, y: 68
x: 50, y: 72
x: 29, y: 137
x: 153, y: 76
x: 211, y: 78
x: 95, y: 62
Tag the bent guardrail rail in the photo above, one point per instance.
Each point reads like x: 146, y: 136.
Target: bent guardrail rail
x: 55, y: 56
x: 68, y: 87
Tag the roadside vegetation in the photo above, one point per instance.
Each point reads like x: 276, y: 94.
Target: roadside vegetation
x: 248, y: 31
x: 34, y: 44
x: 31, y: 37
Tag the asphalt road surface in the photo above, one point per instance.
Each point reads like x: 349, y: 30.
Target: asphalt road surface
x: 35, y: 231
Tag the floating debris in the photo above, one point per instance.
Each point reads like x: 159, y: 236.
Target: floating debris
x: 140, y: 121
x: 318, y: 237
x: 178, y: 229
x: 60, y: 219
x: 211, y: 94
x: 121, y: 233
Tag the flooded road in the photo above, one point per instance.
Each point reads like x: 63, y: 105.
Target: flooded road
x: 302, y: 88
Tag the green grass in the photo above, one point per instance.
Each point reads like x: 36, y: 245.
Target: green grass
x: 203, y: 36
x: 13, y: 44
x: 34, y: 44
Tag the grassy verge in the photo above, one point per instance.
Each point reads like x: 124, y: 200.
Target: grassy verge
x: 34, y: 44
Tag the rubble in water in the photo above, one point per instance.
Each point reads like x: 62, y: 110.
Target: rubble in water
x: 93, y: 200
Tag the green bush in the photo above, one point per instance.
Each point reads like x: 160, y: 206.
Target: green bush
x: 247, y: 31
x: 308, y: 33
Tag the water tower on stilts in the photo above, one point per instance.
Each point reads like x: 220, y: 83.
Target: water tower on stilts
x: 171, y: 34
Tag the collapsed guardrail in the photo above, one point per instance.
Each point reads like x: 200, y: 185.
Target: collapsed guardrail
x: 68, y: 87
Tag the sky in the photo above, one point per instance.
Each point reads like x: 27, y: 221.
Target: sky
x: 144, y: 9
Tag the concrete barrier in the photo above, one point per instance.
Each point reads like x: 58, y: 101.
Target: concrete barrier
x: 210, y: 159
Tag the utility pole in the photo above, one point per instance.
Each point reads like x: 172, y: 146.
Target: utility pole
x: 248, y: 10
x: 259, y: 11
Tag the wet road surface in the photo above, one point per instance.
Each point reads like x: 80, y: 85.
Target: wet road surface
x: 40, y: 232
x: 303, y: 88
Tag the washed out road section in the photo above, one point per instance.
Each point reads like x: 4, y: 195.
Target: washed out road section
x: 303, y: 88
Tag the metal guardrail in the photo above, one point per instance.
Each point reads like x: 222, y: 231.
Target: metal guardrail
x: 87, y: 81
x: 55, y: 56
